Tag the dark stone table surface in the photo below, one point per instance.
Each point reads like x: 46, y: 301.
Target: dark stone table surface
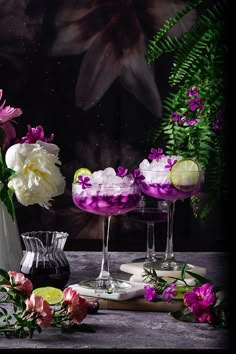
x: 118, y: 330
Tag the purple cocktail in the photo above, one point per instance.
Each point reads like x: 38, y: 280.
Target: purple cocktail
x: 104, y: 202
x: 106, y: 193
x: 170, y: 178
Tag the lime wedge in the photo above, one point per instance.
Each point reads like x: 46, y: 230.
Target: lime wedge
x: 83, y: 171
x: 185, y: 174
x: 181, y: 290
x: 50, y: 294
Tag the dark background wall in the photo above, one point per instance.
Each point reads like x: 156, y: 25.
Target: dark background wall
x: 116, y: 130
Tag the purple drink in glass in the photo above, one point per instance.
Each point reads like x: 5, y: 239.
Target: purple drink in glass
x: 106, y: 193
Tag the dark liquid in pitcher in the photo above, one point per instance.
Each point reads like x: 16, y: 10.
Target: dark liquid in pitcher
x: 46, y: 275
x: 148, y: 215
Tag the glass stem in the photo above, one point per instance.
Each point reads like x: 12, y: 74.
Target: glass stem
x: 150, y: 241
x: 104, y: 273
x: 169, y: 254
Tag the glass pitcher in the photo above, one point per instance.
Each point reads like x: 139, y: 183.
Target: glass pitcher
x: 44, y: 261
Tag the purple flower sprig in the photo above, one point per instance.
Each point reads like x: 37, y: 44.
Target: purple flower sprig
x: 192, y: 112
x: 137, y: 176
x: 156, y: 154
x: 84, y: 182
x: 121, y: 171
x: 35, y: 134
x: 170, y: 292
x: 170, y: 164
x: 150, y: 293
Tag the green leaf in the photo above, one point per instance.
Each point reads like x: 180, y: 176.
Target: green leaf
x: 4, y: 275
x: 184, y: 315
x: 82, y: 327
x: 199, y: 278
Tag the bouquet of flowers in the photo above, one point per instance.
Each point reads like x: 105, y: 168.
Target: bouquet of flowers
x: 30, y: 312
x: 203, y: 302
x: 29, y: 167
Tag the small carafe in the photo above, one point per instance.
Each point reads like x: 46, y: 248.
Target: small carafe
x: 44, y: 261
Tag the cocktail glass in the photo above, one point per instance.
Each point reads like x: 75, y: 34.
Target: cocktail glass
x: 107, y: 200
x: 157, y: 184
x: 150, y: 211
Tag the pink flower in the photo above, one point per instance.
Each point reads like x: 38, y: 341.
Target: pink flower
x: 121, y: 171
x: 69, y: 295
x: 84, y: 182
x: 19, y: 282
x: 35, y: 134
x: 7, y: 113
x: 170, y: 164
x: 150, y: 293
x: 38, y: 306
x: 169, y: 292
x: 156, y: 154
x: 199, y: 300
x: 77, y: 307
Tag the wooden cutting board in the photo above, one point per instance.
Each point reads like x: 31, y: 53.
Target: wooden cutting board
x: 139, y: 304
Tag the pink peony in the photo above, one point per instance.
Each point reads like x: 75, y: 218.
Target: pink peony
x: 40, y: 307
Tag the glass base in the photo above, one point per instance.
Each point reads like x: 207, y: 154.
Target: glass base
x: 167, y: 265
x: 109, y: 285
x: 156, y: 257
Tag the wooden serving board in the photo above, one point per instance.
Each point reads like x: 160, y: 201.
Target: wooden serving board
x: 139, y: 304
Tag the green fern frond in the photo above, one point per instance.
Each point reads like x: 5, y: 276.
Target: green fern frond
x: 153, y: 46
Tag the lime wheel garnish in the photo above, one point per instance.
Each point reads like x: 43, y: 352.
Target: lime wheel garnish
x: 185, y: 175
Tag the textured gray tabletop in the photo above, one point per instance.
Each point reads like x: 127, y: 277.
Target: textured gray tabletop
x: 133, y: 330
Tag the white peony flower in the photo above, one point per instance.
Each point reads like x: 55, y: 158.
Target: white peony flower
x: 37, y: 177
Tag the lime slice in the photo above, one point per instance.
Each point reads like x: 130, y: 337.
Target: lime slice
x: 50, y: 294
x: 185, y: 174
x: 181, y: 290
x: 83, y: 171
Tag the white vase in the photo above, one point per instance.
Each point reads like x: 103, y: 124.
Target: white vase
x: 10, y: 244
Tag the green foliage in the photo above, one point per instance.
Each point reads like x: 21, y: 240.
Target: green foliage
x: 198, y: 61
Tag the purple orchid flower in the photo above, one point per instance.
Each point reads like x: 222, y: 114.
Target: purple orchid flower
x: 191, y: 122
x: 170, y: 164
x: 137, y: 176
x: 121, y: 171
x: 193, y: 91
x: 199, y: 300
x: 150, y: 293
x: 196, y: 103
x: 156, y: 154
x: 84, y: 182
x: 35, y: 134
x: 169, y: 292
x: 176, y: 117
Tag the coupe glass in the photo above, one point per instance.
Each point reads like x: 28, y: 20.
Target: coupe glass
x: 150, y: 211
x: 157, y: 185
x: 107, y: 201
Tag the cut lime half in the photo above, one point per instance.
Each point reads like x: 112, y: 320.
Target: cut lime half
x: 185, y: 174
x: 181, y: 290
x: 50, y: 294
x: 83, y: 171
